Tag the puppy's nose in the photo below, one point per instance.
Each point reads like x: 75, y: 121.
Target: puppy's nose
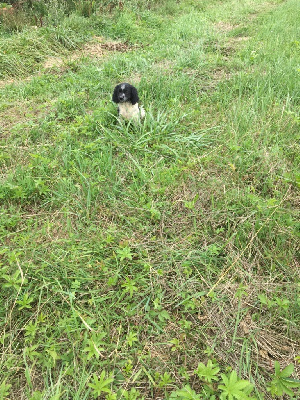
x: 122, y: 96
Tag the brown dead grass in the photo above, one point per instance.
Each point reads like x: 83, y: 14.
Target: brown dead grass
x: 224, y: 27
x: 97, y: 48
x: 4, y: 82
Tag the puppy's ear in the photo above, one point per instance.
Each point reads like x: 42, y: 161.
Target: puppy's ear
x: 115, y: 95
x: 134, y: 96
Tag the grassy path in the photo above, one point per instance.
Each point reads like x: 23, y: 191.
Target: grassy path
x: 144, y: 251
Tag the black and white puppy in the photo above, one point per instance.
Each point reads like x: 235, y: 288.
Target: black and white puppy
x: 126, y: 96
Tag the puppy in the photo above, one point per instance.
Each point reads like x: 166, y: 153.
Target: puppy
x: 126, y: 96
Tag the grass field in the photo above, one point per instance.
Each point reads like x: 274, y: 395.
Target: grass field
x: 151, y: 261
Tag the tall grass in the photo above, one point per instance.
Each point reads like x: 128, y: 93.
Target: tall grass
x: 156, y: 260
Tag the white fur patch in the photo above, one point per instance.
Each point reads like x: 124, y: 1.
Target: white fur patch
x: 129, y: 111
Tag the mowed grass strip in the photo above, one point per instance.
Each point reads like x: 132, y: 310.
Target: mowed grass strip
x: 130, y: 254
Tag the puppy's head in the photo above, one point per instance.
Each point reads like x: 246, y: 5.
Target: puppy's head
x: 125, y: 92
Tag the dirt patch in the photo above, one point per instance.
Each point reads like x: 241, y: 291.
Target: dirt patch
x: 240, y: 38
x: 53, y: 62
x: 210, y: 80
x: 222, y: 26
x: 220, y: 74
x: 111, y: 45
x: 97, y: 48
x: 233, y: 43
x: 164, y: 65
x: 5, y: 82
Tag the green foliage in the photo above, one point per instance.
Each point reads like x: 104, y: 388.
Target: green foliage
x: 101, y: 384
x: 124, y: 253
x: 165, y: 380
x: 133, y: 394
x: 94, y: 344
x: 207, y: 373
x: 282, y: 383
x: 185, y: 393
x: 229, y: 385
x: 131, y: 338
x: 25, y: 302
x: 129, y: 286
x: 4, y: 390
x: 282, y: 304
x: 13, y: 281
x: 234, y: 388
